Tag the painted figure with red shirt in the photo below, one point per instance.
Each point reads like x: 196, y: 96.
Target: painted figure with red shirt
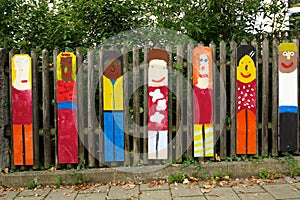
x: 66, y: 108
x: 21, y: 92
x: 203, y: 102
x: 158, y: 104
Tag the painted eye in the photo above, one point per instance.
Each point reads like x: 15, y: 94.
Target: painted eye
x: 152, y: 66
x: 292, y: 53
x: 206, y: 60
x: 201, y: 60
x: 164, y: 67
x: 107, y: 63
x: 284, y: 53
x: 117, y: 63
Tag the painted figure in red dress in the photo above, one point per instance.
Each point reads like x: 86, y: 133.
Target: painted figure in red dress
x: 22, y: 110
x: 158, y: 104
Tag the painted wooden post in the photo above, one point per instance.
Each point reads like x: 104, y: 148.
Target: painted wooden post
x: 113, y: 106
x: 158, y: 104
x: 66, y: 108
x: 21, y: 91
x: 246, y: 100
x: 189, y: 101
x: 288, y: 96
x: 203, y: 102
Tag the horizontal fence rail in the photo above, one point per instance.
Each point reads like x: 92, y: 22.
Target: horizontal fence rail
x: 90, y: 111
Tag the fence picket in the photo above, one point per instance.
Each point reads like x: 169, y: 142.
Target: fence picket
x: 46, y: 109
x: 233, y: 47
x: 91, y: 109
x: 136, y: 107
x: 265, y: 97
x: 275, y: 97
x: 179, y: 105
x: 223, y: 105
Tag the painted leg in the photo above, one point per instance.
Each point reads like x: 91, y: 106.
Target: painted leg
x: 241, y: 132
x: 162, y: 145
x: 119, y: 135
x: 198, y: 140
x: 288, y: 132
x: 152, y: 136
x: 67, y: 137
x: 28, y: 137
x: 251, y: 132
x: 108, y: 137
x: 209, y: 140
x: 18, y: 145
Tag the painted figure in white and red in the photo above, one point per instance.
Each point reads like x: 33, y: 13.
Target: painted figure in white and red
x: 158, y: 104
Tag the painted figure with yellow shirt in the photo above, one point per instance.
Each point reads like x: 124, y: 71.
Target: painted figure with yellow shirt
x: 113, y: 106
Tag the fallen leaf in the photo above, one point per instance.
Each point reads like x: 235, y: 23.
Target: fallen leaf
x: 214, y: 195
x: 176, y: 165
x: 185, y: 181
x: 255, y: 195
x: 205, y: 190
x: 6, y: 170
x: 128, y: 186
x: 218, y: 158
x: 2, y: 195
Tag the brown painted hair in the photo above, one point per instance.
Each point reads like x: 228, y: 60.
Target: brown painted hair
x: 159, y: 54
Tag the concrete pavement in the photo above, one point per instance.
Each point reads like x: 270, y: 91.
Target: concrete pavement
x: 239, y: 189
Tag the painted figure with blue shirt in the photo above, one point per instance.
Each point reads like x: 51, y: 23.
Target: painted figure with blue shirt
x: 288, y: 96
x: 113, y: 106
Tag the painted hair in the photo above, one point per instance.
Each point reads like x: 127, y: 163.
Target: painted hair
x: 159, y: 54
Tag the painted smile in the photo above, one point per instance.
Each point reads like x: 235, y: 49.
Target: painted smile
x: 245, y: 76
x: 24, y: 81
x: 203, y: 75
x: 287, y: 66
x: 158, y: 81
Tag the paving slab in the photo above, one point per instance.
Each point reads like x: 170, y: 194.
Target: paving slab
x: 256, y: 196
x: 91, y: 196
x: 222, y: 193
x: 40, y: 193
x: 96, y: 189
x: 8, y: 194
x: 185, y: 190
x: 118, y: 192
x: 145, y: 187
x: 190, y: 198
x: 242, y: 189
x: 155, y: 194
x: 60, y: 194
x: 282, y: 191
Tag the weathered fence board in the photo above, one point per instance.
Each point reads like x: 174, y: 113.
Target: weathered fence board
x: 265, y: 97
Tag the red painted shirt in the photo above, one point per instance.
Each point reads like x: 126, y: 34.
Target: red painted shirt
x: 203, y: 106
x: 21, y: 106
x: 246, y: 96
x: 66, y: 91
x: 157, y: 108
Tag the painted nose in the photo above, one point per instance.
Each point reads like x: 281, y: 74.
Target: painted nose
x: 288, y: 56
x: 246, y: 67
x: 113, y: 69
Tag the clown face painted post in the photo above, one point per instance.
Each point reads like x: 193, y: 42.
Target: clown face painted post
x: 246, y: 100
x: 158, y: 104
x: 22, y: 109
x: 66, y: 108
x: 288, y: 96
x: 113, y: 106
x: 203, y: 102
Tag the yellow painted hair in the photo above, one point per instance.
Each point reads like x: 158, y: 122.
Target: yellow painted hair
x: 287, y: 47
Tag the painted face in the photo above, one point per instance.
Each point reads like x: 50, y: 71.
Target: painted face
x: 203, y: 79
x: 22, y: 67
x: 66, y: 67
x: 287, y: 61
x: 157, y: 73
x: 246, y: 71
x: 113, y: 68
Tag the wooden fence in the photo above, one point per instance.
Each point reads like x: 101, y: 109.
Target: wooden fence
x: 89, y: 89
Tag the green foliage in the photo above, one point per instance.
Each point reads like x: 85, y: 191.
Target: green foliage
x: 72, y: 23
x: 33, y: 184
x: 264, y: 174
x: 178, y: 178
x: 58, y: 181
x: 295, y: 168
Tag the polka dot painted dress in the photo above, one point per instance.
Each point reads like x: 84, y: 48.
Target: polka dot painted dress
x: 246, y: 96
